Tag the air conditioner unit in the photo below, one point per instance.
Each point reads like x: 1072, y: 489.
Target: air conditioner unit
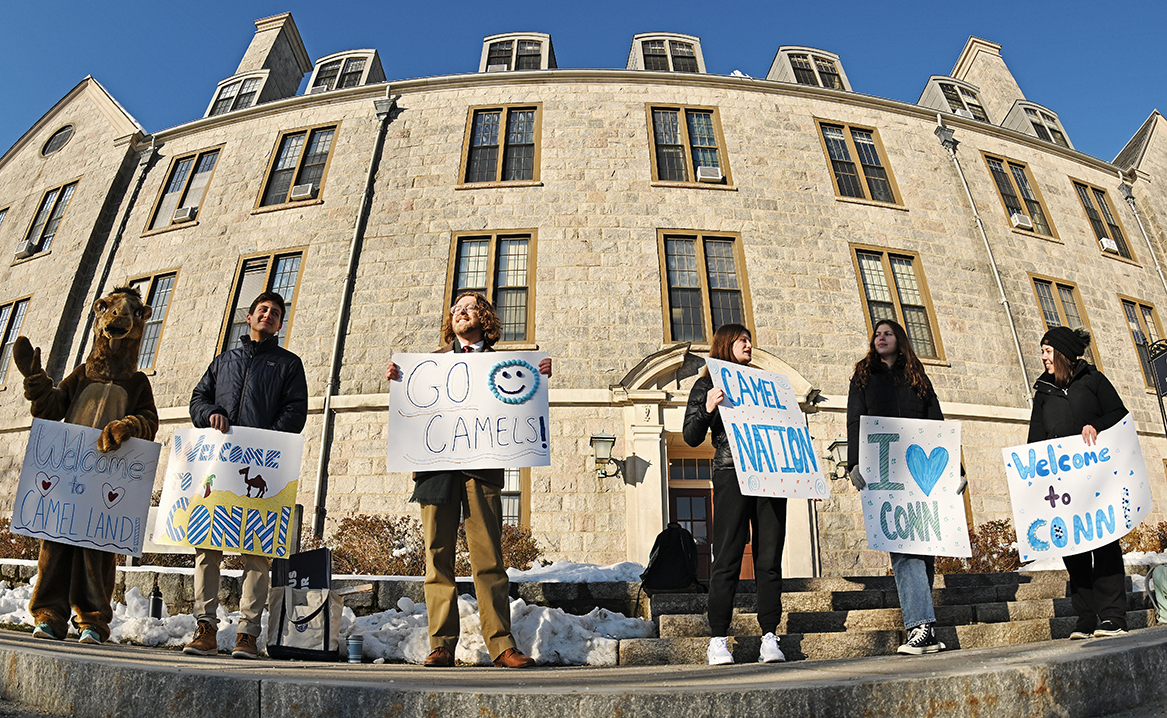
x: 1020, y: 220
x: 709, y: 174
x: 496, y: 68
x: 1108, y: 244
x: 27, y: 248
x: 303, y: 191
x: 318, y: 89
x: 965, y: 113
x: 185, y: 214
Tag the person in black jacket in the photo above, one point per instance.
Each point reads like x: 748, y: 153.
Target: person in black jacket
x: 261, y: 385
x: 1073, y: 398
x: 890, y: 381
x: 733, y: 514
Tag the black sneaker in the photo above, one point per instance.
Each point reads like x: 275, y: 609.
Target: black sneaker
x: 921, y: 639
x: 1106, y: 629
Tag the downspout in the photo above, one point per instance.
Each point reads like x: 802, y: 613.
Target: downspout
x: 1128, y: 194
x: 385, y: 108
x: 944, y: 134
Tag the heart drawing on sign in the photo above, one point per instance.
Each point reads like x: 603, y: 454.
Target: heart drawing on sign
x: 45, y: 483
x: 926, y: 468
x: 111, y: 496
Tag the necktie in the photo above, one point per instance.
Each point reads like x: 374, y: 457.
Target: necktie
x: 467, y: 349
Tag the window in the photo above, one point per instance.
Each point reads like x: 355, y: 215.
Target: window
x: 828, y: 73
x: 501, y: 267
x: 684, y: 57
x: 156, y: 292
x: 655, y: 57
x: 1103, y: 219
x: 278, y: 273
x: 236, y: 96
x: 330, y: 76
x: 1145, y: 331
x: 870, y: 178
x: 685, y: 139
x: 658, y: 53
x: 185, y: 188
x: 1060, y: 305
x: 11, y: 318
x: 498, y: 54
x: 300, y: 160
x: 704, y: 285
x: 960, y: 98
x: 58, y: 140
x: 1019, y: 195
x: 804, y: 67
x: 48, y: 217
x: 3, y: 214
x: 1046, y: 126
x: 516, y: 493
x: 502, y: 145
x: 892, y: 287
x: 530, y: 55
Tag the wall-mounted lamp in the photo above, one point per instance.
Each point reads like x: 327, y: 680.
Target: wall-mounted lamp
x: 837, y: 452
x: 602, y: 445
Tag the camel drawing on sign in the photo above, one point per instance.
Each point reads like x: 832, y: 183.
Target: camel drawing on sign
x: 256, y: 483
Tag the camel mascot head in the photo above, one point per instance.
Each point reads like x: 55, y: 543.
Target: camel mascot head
x: 119, y: 322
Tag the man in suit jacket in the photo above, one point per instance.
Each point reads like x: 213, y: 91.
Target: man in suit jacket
x: 471, y: 326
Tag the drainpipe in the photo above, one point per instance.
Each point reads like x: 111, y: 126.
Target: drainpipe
x: 1128, y: 194
x: 385, y: 108
x: 944, y: 134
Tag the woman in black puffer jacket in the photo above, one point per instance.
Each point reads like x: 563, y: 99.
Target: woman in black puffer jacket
x: 734, y: 513
x: 1073, y: 398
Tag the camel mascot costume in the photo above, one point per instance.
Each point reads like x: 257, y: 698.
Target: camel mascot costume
x: 106, y: 392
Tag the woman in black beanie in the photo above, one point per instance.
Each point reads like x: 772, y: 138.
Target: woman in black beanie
x: 1073, y: 398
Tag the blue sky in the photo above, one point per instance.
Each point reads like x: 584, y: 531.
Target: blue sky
x: 1100, y: 66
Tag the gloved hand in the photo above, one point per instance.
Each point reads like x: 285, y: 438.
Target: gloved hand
x: 856, y: 478
x: 960, y: 489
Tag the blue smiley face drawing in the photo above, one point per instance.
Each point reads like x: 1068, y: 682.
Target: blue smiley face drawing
x: 513, y: 381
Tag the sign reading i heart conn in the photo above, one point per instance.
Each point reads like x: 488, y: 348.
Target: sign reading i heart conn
x: 912, y: 469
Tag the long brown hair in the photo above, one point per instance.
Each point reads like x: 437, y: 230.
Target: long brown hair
x: 491, y: 326
x: 1063, y: 367
x: 913, y: 369
x: 723, y: 341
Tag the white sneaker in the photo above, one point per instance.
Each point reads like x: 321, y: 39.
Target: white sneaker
x: 770, y: 652
x: 718, y: 652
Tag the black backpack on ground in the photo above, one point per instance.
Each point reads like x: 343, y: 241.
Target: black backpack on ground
x: 672, y: 565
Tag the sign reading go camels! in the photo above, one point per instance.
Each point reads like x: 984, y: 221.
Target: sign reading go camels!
x: 912, y: 469
x: 72, y: 493
x: 1070, y: 498
x: 232, y: 491
x: 767, y: 433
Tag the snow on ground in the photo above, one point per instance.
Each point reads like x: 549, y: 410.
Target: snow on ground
x: 571, y: 572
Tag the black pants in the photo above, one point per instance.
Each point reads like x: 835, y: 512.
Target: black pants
x: 733, y: 515
x: 1098, y: 586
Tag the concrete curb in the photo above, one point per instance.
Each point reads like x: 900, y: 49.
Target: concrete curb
x: 1062, y: 678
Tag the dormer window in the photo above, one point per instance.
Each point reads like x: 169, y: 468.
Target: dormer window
x: 517, y: 51
x: 347, y: 69
x: 1046, y: 127
x: 666, y: 52
x: 807, y: 66
x: 655, y: 57
x: 237, y: 95
x: 1041, y: 122
x: 684, y: 59
x: 499, y: 57
x: 962, y: 101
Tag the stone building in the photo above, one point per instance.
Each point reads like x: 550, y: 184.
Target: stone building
x: 616, y: 216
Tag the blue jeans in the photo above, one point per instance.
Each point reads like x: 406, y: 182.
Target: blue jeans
x: 914, y: 583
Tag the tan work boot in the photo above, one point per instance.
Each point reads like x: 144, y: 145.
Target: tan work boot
x: 206, y: 640
x: 245, y: 646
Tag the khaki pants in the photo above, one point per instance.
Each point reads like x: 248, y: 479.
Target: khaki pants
x: 73, y: 577
x: 484, y: 539
x: 256, y: 581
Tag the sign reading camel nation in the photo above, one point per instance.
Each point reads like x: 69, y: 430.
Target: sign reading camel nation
x: 1070, y: 498
x: 767, y: 433
x: 468, y: 411
x: 230, y: 492
x: 912, y: 469
x: 72, y: 493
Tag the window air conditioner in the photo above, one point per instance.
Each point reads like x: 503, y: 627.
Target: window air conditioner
x: 1108, y: 244
x: 496, y: 68
x: 185, y: 214
x: 303, y: 191
x: 1020, y: 220
x: 709, y: 174
x: 27, y: 248
x: 318, y: 89
x: 964, y: 113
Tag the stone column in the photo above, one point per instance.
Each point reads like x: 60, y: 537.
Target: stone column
x: 645, y: 479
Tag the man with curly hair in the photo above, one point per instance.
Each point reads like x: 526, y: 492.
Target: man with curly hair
x: 445, y: 496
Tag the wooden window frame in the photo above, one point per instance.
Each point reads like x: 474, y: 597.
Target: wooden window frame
x: 45, y: 147
x: 524, y: 493
x: 4, y: 215
x: 1009, y: 162
x: 1055, y: 283
x: 56, y: 200
x: 850, y: 140
x: 271, y: 163
x: 889, y: 276
x: 150, y: 279
x: 5, y: 369
x: 238, y: 83
x: 1040, y: 116
x: 1113, y: 210
x: 722, y: 153
x: 739, y: 259
x: 505, y: 111
x: 196, y: 156
x: 493, y: 238
x: 1139, y: 305
x: 236, y: 288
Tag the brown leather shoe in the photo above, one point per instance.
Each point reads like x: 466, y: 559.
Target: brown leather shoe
x: 440, y: 657
x: 512, y: 658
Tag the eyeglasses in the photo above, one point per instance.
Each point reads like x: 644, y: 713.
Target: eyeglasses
x: 466, y: 309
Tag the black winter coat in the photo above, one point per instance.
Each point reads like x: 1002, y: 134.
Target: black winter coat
x: 887, y: 393
x: 1090, y: 399
x: 698, y: 421
x: 260, y: 385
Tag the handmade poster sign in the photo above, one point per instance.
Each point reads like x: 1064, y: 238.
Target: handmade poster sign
x: 230, y: 492
x: 485, y: 410
x: 912, y: 469
x: 1070, y: 498
x: 72, y: 493
x: 767, y: 433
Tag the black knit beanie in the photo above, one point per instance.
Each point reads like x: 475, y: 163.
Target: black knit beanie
x: 1071, y: 343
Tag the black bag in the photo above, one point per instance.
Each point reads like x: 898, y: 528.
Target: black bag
x: 672, y: 565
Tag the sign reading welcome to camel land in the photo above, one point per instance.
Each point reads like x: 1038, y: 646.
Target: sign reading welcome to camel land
x: 912, y: 469
x: 468, y: 411
x: 72, y: 493
x: 767, y: 433
x: 232, y: 491
x: 1070, y: 498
